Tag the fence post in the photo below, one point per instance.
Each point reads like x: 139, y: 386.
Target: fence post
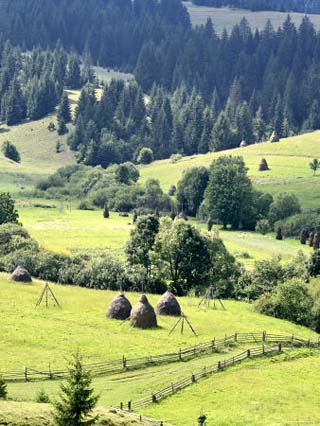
x: 264, y: 336
x: 292, y: 340
x: 248, y: 353
x: 50, y: 372
x: 121, y: 405
x: 219, y: 365
x: 213, y: 343
x: 172, y: 387
x: 26, y: 374
x: 236, y: 337
x: 263, y: 350
x: 124, y: 362
x: 308, y: 342
x: 193, y: 378
x: 154, y: 398
x: 161, y: 423
x: 180, y: 355
x: 129, y: 405
x: 280, y: 347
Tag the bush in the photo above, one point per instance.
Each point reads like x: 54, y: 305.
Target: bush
x: 42, y: 397
x: 145, y: 156
x: 85, y: 205
x: 14, y: 237
x: 175, y: 158
x: 290, y: 300
x: 292, y: 226
x: 10, y: 151
x: 263, y: 226
x: 284, y: 206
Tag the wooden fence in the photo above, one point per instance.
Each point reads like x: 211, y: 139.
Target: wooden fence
x: 125, y: 364
x: 220, y: 365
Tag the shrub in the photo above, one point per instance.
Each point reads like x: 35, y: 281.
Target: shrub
x: 10, y: 151
x: 14, y: 237
x: 145, y: 156
x: 8, y: 212
x: 263, y: 226
x: 42, y: 397
x: 284, y: 206
x: 3, y: 389
x: 290, y: 300
x: 292, y: 226
x: 175, y: 158
x: 85, y: 205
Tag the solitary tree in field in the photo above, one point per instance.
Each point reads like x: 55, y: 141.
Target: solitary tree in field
x: 10, y: 151
x: 8, y: 213
x: 77, y: 399
x: 314, y: 165
x: 3, y: 389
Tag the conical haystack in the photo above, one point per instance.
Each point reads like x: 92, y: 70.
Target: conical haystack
x: 274, y: 137
x: 263, y: 166
x: 143, y: 315
x: 120, y: 308
x: 243, y: 144
x: 168, y: 305
x: 21, y: 275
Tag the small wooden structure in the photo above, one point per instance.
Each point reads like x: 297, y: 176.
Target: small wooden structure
x: 182, y: 319
x: 47, y: 296
x: 209, y: 297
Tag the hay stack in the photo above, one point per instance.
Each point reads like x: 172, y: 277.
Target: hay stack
x: 168, y: 305
x: 181, y: 216
x: 120, y: 308
x: 243, y: 144
x: 263, y: 166
x: 274, y: 137
x: 21, y: 275
x: 143, y: 315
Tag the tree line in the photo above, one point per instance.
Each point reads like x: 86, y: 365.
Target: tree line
x: 32, y: 83
x: 302, y: 6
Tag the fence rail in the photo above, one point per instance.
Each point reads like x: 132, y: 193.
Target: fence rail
x: 125, y: 364
x: 220, y: 365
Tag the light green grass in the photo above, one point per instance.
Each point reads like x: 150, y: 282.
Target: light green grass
x: 31, y: 414
x: 36, y: 337
x: 265, y: 392
x: 288, y: 161
x: 227, y: 17
x: 106, y: 75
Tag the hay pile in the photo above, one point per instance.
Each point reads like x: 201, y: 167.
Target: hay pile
x: 274, y: 137
x: 263, y: 166
x: 120, y: 308
x: 21, y: 275
x: 143, y: 315
x: 243, y: 144
x: 168, y: 305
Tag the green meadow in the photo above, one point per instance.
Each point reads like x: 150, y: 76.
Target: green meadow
x: 227, y: 18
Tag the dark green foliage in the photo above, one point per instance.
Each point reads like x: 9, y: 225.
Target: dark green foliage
x: 191, y: 188
x: 279, y: 235
x: 184, y: 255
x: 145, y: 156
x: 62, y: 128
x: 305, y: 221
x: 314, y: 165
x: 229, y: 193
x: 42, y: 397
x: 58, y: 147
x: 141, y: 244
x: 290, y: 300
x: 314, y: 267
x: 64, y: 111
x: 10, y: 151
x: 3, y: 389
x: 8, y: 213
x: 77, y: 400
x: 263, y: 226
x: 14, y: 237
x: 127, y: 173
x: 303, y: 236
x: 285, y: 205
x: 106, y: 213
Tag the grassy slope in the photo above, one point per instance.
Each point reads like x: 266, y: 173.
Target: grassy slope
x: 31, y: 414
x: 35, y: 337
x: 288, y: 160
x: 260, y: 392
x: 226, y: 17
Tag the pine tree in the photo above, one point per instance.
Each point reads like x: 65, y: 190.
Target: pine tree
x: 77, y: 400
x: 64, y: 111
x: 222, y: 137
x: 14, y: 104
x: 62, y: 127
x: 73, y: 73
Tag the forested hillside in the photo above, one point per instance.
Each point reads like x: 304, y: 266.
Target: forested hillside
x: 304, y: 6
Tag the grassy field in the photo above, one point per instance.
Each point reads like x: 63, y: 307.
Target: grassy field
x: 28, y: 414
x: 227, y: 17
x: 36, y: 337
x: 288, y: 161
x: 276, y: 392
x: 65, y: 231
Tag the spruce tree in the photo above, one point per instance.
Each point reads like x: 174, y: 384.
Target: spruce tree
x: 64, y: 111
x: 77, y: 400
